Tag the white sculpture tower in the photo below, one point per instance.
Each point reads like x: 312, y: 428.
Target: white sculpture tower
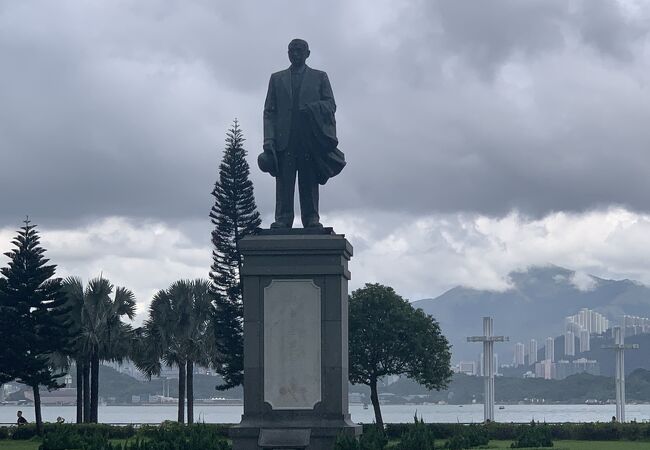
x: 619, y: 347
x: 488, y: 365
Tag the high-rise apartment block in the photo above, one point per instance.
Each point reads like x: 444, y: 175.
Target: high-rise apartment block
x: 569, y: 343
x: 549, y: 350
x: 519, y: 354
x: 585, y: 341
x: 532, y: 352
x: 590, y: 320
x: 633, y: 325
x: 545, y: 369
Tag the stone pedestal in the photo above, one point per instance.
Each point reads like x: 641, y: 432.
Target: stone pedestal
x: 295, y: 340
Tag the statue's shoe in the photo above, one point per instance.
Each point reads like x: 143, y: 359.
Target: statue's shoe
x: 314, y: 225
x: 280, y: 225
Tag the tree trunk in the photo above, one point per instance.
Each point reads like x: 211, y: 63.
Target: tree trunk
x: 94, y: 387
x: 374, y: 398
x: 80, y: 392
x: 190, y: 392
x: 37, y: 410
x: 181, y: 392
x: 86, y: 391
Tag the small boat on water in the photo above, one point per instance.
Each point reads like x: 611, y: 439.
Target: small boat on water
x: 502, y: 407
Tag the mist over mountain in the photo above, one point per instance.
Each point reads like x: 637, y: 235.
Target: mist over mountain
x: 533, y: 308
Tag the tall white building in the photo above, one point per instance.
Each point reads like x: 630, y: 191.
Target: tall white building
x: 569, y: 344
x: 584, y: 320
x: 549, y: 350
x: 635, y: 325
x: 544, y: 369
x: 585, y: 341
x: 532, y: 352
x: 519, y: 354
x: 590, y: 320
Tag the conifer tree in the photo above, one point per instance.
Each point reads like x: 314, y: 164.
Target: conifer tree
x: 32, y: 299
x: 234, y: 216
x: 8, y: 358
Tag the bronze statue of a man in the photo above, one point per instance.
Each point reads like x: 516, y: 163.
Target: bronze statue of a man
x: 299, y: 137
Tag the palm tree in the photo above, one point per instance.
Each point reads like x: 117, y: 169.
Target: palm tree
x: 177, y: 334
x: 73, y: 290
x: 100, y: 334
x: 199, y: 339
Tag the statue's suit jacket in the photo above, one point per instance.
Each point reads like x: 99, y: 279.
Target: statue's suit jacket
x: 315, y: 91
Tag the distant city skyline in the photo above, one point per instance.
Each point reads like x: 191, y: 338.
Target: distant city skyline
x: 576, y: 338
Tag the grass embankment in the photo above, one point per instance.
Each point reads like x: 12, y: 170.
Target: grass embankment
x: 32, y: 444
x: 19, y: 445
x: 582, y: 445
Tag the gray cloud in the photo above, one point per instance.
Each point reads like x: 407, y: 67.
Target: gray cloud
x: 488, y: 34
x: 420, y: 257
x: 121, y: 108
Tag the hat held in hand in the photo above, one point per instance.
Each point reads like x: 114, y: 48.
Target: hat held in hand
x: 268, y: 162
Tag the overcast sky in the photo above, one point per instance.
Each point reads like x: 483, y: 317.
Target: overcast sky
x: 481, y: 137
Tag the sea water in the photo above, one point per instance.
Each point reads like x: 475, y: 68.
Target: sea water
x: 391, y: 413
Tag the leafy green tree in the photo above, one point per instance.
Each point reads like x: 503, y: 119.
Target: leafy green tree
x: 390, y: 337
x: 31, y: 304
x: 234, y: 216
x: 99, y: 334
x: 178, y: 333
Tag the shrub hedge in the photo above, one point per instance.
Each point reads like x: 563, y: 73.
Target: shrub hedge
x: 606, y: 431
x: 346, y: 442
x: 171, y: 435
x: 168, y: 436
x: 598, y: 431
x: 28, y: 431
x: 417, y: 437
x: 373, y: 438
x: 533, y: 435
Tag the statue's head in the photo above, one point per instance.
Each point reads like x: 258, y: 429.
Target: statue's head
x: 298, y: 52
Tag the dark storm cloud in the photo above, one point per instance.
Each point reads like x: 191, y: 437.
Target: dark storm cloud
x: 120, y: 108
x: 489, y: 33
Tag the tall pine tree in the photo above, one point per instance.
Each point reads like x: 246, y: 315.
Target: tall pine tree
x: 8, y: 354
x: 33, y: 300
x: 234, y: 216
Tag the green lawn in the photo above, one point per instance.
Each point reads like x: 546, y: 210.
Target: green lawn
x: 19, y: 445
x: 31, y: 444
x: 583, y: 445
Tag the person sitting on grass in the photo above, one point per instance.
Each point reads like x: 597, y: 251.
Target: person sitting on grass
x: 21, y: 420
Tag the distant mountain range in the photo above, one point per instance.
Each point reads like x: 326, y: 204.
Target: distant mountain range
x: 535, y: 307
x: 575, y: 389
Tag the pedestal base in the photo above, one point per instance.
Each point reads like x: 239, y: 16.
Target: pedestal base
x: 295, y: 341
x: 282, y: 435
